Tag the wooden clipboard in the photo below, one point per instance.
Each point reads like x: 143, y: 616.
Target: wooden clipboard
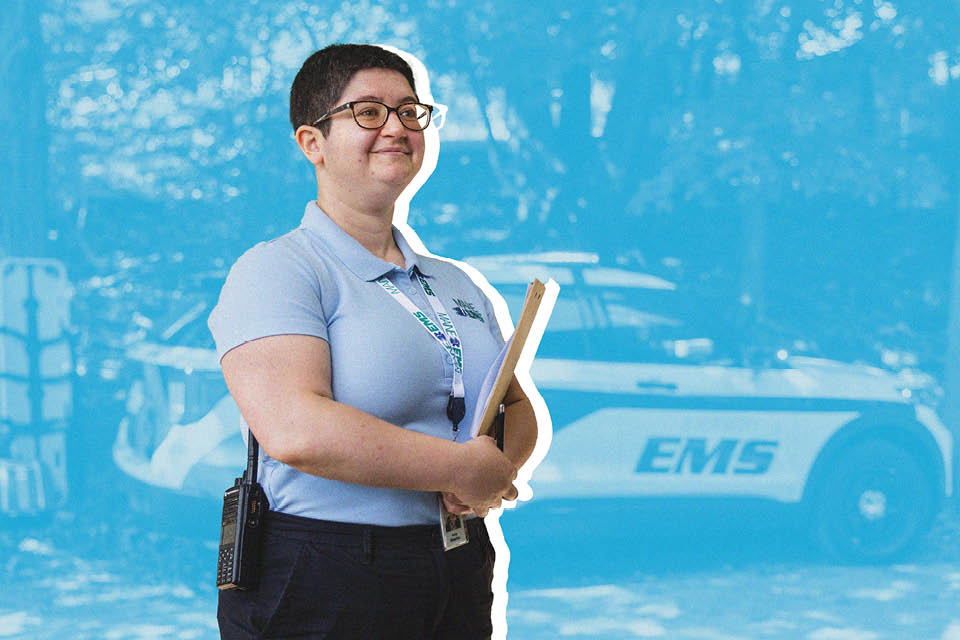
x: 530, y: 307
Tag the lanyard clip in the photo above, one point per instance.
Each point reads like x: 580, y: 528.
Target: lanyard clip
x: 456, y: 409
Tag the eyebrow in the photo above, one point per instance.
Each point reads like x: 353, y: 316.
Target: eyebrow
x: 402, y: 100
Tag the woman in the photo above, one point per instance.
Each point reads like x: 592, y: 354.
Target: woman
x: 354, y: 362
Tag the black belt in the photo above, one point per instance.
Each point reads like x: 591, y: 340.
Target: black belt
x: 349, y: 533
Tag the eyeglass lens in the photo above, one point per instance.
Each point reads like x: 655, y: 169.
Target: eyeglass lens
x: 373, y: 115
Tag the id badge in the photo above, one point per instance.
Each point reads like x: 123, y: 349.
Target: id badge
x: 453, y: 529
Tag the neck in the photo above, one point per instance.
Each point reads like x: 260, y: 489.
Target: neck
x: 371, y: 228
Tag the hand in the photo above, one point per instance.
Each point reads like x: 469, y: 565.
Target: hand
x: 453, y: 505
x: 485, y: 477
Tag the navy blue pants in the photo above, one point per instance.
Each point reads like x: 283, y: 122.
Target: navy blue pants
x: 336, y: 580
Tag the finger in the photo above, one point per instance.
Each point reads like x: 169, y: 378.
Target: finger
x: 449, y: 498
x: 456, y: 508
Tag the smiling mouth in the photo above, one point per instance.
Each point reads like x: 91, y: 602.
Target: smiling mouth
x: 393, y: 151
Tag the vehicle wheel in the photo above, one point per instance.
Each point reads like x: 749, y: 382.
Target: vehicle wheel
x: 872, y: 503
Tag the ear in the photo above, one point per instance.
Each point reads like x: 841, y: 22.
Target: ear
x: 310, y: 141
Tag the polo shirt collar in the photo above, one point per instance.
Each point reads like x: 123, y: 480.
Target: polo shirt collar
x: 354, y: 255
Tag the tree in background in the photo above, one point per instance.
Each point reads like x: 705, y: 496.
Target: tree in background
x: 23, y: 132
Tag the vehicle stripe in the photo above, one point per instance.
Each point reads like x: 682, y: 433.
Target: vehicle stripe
x: 569, y: 406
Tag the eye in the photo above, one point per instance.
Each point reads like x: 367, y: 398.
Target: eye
x: 410, y: 111
x: 368, y: 112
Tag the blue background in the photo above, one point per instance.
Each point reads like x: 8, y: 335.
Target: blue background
x: 791, y: 166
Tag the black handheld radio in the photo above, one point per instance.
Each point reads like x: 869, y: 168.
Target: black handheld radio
x: 238, y: 565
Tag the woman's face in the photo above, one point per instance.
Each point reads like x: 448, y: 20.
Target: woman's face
x: 374, y: 161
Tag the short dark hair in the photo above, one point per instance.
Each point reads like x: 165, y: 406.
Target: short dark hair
x: 326, y: 73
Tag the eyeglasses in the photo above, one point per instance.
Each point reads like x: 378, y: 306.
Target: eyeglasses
x: 369, y: 114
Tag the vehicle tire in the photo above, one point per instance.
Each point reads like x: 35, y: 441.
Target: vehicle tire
x: 872, y: 503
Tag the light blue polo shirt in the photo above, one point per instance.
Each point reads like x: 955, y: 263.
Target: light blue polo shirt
x: 317, y: 280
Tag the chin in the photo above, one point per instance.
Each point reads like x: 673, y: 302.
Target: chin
x: 399, y: 178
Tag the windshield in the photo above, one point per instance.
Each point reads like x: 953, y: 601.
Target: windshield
x: 619, y: 324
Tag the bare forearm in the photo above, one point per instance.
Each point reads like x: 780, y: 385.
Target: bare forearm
x: 282, y: 385
x: 326, y: 438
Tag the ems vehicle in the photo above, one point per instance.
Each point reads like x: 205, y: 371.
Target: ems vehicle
x: 649, y: 400
x: 651, y: 397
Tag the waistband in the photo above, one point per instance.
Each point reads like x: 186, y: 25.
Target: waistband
x: 349, y: 533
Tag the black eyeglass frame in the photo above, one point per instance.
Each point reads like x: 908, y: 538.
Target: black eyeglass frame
x: 396, y: 109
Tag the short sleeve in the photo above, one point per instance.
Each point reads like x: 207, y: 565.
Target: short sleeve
x: 272, y: 289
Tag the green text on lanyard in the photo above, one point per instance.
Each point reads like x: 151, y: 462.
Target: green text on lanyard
x: 447, y: 337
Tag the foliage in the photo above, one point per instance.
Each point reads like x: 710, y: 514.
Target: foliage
x: 800, y: 157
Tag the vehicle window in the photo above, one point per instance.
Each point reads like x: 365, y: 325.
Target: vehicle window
x: 607, y: 277
x: 614, y: 315
x: 568, y: 314
x: 621, y: 315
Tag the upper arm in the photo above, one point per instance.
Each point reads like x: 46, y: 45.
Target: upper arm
x: 270, y: 378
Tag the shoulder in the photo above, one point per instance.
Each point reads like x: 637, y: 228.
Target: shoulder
x: 282, y: 261
x: 275, y: 287
x: 289, y: 250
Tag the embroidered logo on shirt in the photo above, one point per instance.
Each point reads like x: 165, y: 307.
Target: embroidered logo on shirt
x: 467, y: 310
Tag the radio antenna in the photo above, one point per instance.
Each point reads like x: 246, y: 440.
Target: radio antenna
x: 253, y: 456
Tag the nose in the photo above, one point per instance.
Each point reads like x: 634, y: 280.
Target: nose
x: 393, y: 126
